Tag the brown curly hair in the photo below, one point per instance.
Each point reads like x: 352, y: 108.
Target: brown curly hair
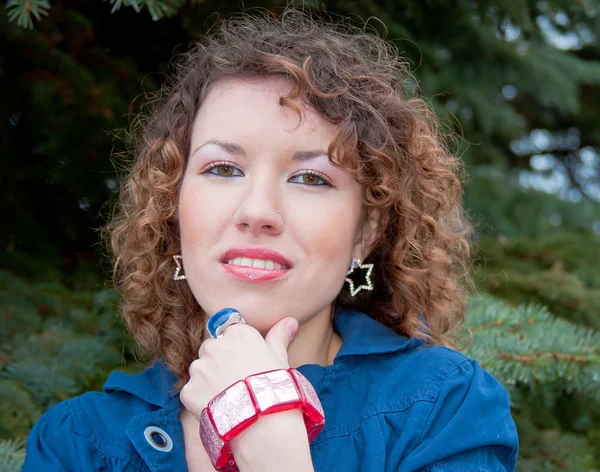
x: 389, y: 141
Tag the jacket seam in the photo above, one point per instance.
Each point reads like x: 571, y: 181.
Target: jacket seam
x: 106, y: 454
x: 82, y: 430
x: 431, y: 466
x: 420, y: 440
x: 95, y: 442
x: 427, y: 395
x: 352, y: 429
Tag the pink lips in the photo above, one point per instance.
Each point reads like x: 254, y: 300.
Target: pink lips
x: 255, y: 274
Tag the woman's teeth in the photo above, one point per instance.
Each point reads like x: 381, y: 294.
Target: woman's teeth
x: 257, y: 263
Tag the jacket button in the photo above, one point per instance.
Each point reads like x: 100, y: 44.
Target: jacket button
x: 158, y: 439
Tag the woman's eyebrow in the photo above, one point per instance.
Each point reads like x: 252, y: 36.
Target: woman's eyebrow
x: 308, y: 155
x: 226, y: 146
x: 233, y: 148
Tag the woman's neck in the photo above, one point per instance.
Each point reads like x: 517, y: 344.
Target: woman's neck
x: 316, y: 342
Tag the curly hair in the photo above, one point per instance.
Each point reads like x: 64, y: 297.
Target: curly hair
x: 388, y: 139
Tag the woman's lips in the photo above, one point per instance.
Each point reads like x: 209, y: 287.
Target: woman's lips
x: 272, y: 265
x: 254, y: 274
x: 255, y: 253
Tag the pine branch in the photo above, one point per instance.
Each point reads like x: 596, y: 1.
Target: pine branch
x: 157, y: 9
x: 61, y: 353
x: 12, y: 455
x: 557, y: 451
x: 526, y: 345
x: 18, y: 413
x: 137, y: 5
x: 166, y: 8
x: 23, y: 10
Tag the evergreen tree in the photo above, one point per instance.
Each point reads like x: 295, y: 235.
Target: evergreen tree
x: 520, y: 80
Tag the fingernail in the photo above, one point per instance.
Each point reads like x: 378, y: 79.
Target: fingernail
x: 292, y: 327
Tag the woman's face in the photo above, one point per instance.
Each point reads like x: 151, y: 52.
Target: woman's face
x: 268, y: 225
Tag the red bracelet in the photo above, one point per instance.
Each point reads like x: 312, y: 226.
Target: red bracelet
x: 239, y: 405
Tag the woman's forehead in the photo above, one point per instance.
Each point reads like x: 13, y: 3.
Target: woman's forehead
x: 250, y: 108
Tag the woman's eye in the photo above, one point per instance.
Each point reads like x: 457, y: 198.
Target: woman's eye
x: 310, y: 178
x: 224, y: 170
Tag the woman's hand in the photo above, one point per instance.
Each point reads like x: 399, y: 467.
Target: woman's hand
x: 275, y: 442
x: 241, y: 352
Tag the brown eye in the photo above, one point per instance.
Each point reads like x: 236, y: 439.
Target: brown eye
x: 224, y: 170
x: 310, y: 179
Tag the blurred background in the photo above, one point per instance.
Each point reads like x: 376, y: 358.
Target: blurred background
x: 518, y: 80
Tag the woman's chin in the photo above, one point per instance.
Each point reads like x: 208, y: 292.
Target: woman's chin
x: 262, y: 324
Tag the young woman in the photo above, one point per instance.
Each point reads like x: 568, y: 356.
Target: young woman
x: 285, y: 173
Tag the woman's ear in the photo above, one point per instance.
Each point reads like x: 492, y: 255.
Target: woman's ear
x: 368, y: 235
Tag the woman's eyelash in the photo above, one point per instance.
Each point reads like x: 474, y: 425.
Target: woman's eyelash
x: 223, y: 164
x: 314, y: 174
x: 231, y: 169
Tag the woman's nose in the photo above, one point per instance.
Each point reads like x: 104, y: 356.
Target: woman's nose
x: 258, y: 211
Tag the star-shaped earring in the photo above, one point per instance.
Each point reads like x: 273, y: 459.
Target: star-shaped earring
x: 369, y: 285
x: 178, y: 275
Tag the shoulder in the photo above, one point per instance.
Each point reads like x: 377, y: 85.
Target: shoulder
x: 441, y: 380
x: 87, y: 432
x: 421, y: 372
x: 448, y: 379
x: 431, y: 408
x: 469, y: 422
x: 105, y: 415
x: 430, y: 366
x: 375, y: 353
x: 460, y: 412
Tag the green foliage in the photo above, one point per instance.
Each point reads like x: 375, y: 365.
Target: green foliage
x: 75, y: 83
x: 501, y: 207
x: 545, y: 270
x: 526, y: 345
x: 56, y: 343
x: 12, y: 455
x: 157, y: 9
x: 558, y: 432
x: 535, y: 250
x: 19, y: 411
x: 551, y: 368
x: 22, y: 11
x: 553, y: 450
x: 539, y: 249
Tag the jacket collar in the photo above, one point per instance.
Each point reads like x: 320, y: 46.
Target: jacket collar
x: 154, y: 385
x: 361, y: 336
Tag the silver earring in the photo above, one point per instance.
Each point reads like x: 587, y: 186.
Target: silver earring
x: 356, y: 264
x: 178, y: 275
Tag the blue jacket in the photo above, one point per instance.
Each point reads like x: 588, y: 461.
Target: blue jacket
x: 391, y: 404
